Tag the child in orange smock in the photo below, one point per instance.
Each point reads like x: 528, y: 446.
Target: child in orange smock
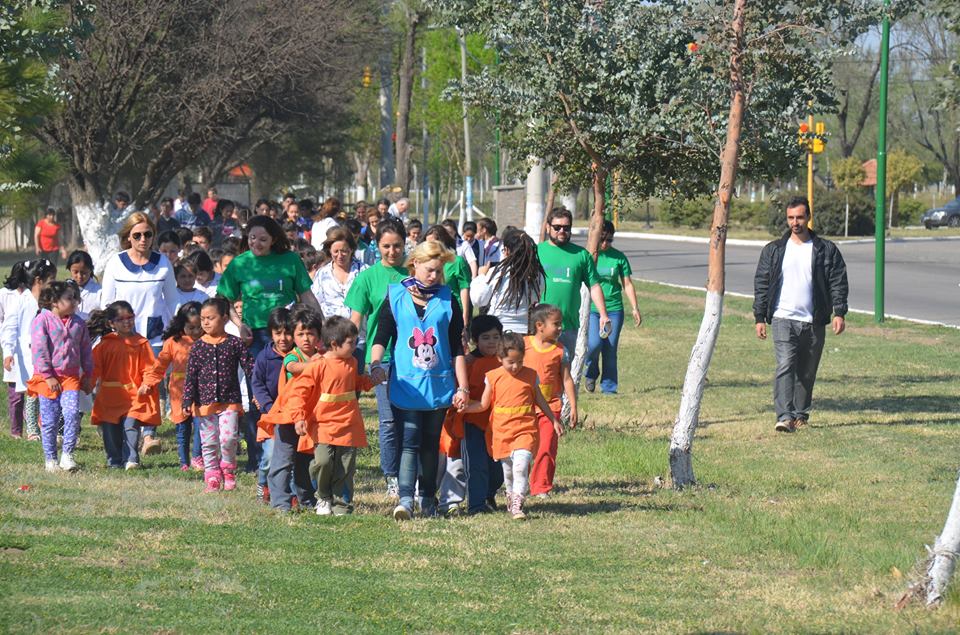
x: 511, y: 393
x: 322, y: 403
x: 544, y: 355
x: 177, y: 340
x: 120, y: 361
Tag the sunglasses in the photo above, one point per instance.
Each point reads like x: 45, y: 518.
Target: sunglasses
x: 606, y: 239
x: 560, y: 228
x: 143, y: 235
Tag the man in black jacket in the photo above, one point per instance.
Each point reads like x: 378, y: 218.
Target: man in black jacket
x: 801, y: 280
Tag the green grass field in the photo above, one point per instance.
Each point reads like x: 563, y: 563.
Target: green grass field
x: 813, y: 532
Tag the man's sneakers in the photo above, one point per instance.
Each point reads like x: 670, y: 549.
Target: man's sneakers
x: 401, y: 513
x: 786, y: 425
x: 590, y: 384
x: 67, y: 463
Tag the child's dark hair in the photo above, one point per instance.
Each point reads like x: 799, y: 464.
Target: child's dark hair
x: 79, y: 257
x: 215, y: 253
x: 201, y: 260
x: 17, y: 277
x: 307, y: 317
x: 184, y: 264
x: 98, y: 324
x: 336, y: 330
x: 179, y: 322
x: 291, y: 226
x: 205, y: 232
x: 483, y: 323
x: 185, y: 234
x: 231, y: 246
x: 313, y: 259
x: 511, y: 342
x: 414, y: 224
x: 222, y: 305
x: 39, y: 269
x: 540, y: 313
x: 171, y: 236
x: 55, y: 290
x: 280, y: 320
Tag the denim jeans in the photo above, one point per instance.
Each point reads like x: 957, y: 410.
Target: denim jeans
x: 184, y: 432
x: 262, y: 338
x: 797, y: 347
x: 390, y: 439
x: 149, y: 431
x: 484, y: 475
x: 286, y: 460
x: 568, y: 339
x: 196, y: 451
x: 266, y: 447
x: 598, y: 347
x: 120, y: 441
x: 421, y: 450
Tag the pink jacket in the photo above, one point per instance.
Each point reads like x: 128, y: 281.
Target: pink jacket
x: 60, y: 350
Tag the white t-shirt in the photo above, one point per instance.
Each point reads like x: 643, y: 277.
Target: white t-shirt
x: 89, y: 299
x: 150, y: 289
x: 318, y: 233
x: 193, y: 295
x: 796, y: 292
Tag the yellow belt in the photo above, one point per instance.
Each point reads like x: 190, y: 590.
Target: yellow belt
x: 116, y: 384
x: 546, y: 390
x: 329, y: 397
x: 178, y: 375
x: 513, y: 410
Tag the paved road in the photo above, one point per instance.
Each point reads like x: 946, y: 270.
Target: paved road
x: 921, y: 276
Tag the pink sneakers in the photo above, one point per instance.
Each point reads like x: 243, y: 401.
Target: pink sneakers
x: 229, y: 481
x: 212, y: 479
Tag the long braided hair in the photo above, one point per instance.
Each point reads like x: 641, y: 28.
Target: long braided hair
x: 523, y: 268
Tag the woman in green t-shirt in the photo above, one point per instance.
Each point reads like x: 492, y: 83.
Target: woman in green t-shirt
x: 366, y: 294
x: 614, y: 271
x: 266, y: 276
x: 456, y: 273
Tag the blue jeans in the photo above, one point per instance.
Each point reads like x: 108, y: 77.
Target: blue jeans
x: 568, y: 339
x: 149, y: 431
x: 484, y: 475
x: 196, y: 451
x: 267, y: 451
x: 421, y: 451
x: 597, y: 346
x: 390, y: 441
x: 262, y: 338
x: 120, y: 441
x: 184, y: 432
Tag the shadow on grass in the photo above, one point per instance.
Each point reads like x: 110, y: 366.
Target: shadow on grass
x: 590, y: 508
x: 918, y: 404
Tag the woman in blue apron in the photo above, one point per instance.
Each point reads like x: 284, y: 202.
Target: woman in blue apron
x: 421, y: 323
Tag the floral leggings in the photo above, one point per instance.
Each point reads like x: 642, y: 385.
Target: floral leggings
x: 67, y: 404
x: 218, y: 439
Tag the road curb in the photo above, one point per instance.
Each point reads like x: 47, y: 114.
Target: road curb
x: 742, y: 242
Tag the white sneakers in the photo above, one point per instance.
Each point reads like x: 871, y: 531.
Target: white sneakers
x: 67, y: 463
x: 324, y: 507
x: 51, y: 465
x: 131, y: 466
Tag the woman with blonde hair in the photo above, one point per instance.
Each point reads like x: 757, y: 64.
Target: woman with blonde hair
x: 421, y: 324
x: 144, y: 278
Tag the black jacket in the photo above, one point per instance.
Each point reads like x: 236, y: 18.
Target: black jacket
x: 829, y: 280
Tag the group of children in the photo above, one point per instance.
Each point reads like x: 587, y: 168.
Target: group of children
x: 305, y: 385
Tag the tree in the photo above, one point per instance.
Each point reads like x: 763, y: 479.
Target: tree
x: 413, y: 17
x: 146, y: 100
x: 903, y: 169
x: 849, y: 175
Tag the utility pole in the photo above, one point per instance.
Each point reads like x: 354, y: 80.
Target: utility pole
x: 466, y: 211
x: 425, y: 186
x: 879, y: 233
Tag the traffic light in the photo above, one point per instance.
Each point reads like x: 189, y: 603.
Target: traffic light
x: 367, y: 77
x: 819, y: 141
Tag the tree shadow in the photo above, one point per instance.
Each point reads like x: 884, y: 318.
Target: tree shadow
x: 890, y: 403
x: 589, y: 508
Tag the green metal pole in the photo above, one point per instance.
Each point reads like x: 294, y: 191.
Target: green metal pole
x: 879, y: 224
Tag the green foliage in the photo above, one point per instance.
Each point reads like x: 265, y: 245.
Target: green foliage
x: 687, y: 212
x: 909, y: 210
x: 614, y: 83
x: 829, y: 209
x: 848, y: 173
x: 903, y: 169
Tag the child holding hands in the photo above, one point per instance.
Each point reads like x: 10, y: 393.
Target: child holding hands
x: 511, y: 393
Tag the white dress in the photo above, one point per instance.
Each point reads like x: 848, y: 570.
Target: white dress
x: 15, y: 339
x: 9, y: 304
x: 150, y: 289
x: 89, y: 299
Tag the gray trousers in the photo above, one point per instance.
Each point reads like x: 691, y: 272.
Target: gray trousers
x: 333, y: 469
x: 284, y: 461
x: 797, y: 346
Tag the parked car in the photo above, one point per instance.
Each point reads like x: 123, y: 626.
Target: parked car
x: 948, y: 215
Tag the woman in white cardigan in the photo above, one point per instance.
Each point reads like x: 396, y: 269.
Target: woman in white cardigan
x: 510, y: 287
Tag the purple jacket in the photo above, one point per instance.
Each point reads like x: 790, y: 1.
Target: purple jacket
x: 60, y: 350
x: 212, y: 372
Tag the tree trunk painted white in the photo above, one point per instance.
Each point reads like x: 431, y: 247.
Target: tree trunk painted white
x: 534, y: 205
x: 99, y: 233
x: 945, y: 553
x: 846, y: 216
x: 569, y: 201
x: 580, y: 353
x: 681, y: 441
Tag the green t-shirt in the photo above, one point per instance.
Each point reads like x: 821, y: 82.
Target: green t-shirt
x: 566, y: 268
x: 612, y: 267
x: 264, y: 283
x: 456, y: 275
x: 368, y: 292
x: 293, y: 356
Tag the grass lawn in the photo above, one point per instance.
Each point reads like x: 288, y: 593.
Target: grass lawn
x: 787, y: 533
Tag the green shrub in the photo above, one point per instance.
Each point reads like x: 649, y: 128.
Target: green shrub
x: 747, y: 214
x: 828, y: 212
x: 692, y: 212
x: 909, y: 210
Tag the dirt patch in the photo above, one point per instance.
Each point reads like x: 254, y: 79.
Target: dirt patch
x: 898, y: 335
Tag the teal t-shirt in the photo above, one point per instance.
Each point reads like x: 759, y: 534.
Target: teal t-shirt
x: 264, y: 283
x: 566, y: 268
x: 612, y: 267
x: 368, y: 292
x: 456, y: 275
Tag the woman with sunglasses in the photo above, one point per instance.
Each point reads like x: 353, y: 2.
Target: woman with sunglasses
x: 614, y: 271
x: 144, y: 278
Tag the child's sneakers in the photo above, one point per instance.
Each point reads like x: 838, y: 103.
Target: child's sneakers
x: 324, y: 507
x: 131, y: 466
x: 212, y: 479
x: 516, y: 507
x: 67, y: 463
x: 229, y: 481
x: 197, y: 463
x: 393, y: 487
x: 401, y: 513
x: 184, y: 468
x: 151, y: 445
x: 51, y: 465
